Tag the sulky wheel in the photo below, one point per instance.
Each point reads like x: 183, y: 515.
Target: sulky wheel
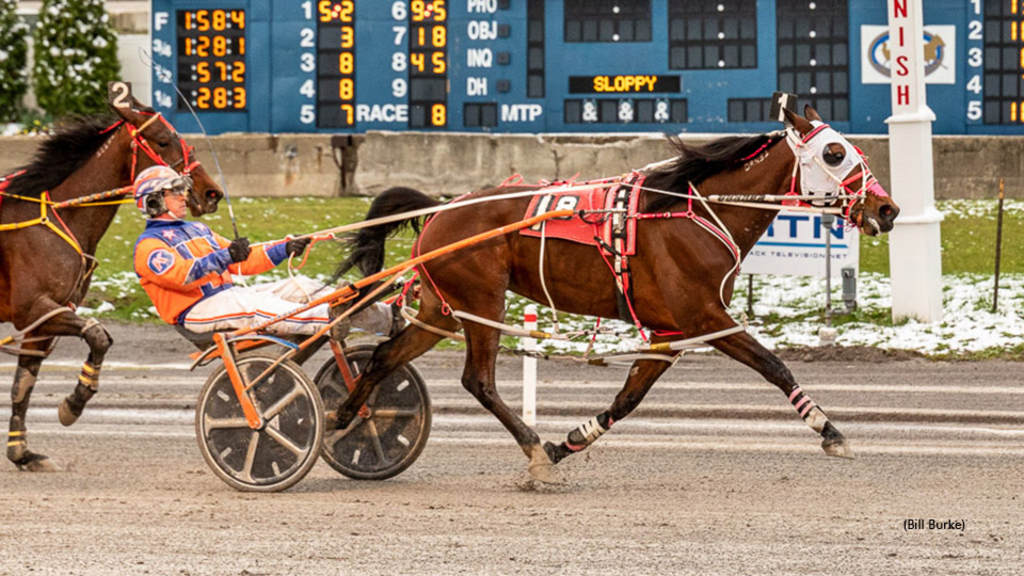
x: 280, y: 453
x: 391, y: 438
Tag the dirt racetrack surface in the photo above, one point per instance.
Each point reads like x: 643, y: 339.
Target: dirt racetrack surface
x: 660, y: 494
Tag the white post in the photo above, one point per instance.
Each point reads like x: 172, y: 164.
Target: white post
x: 530, y: 369
x: 914, y: 249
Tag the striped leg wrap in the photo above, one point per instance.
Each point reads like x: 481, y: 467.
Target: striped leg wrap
x: 808, y: 410
x: 90, y: 376
x: 16, y: 438
x: 801, y: 401
x: 589, y: 432
x: 17, y: 446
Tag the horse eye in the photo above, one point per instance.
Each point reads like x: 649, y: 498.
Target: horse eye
x: 834, y: 158
x: 164, y: 144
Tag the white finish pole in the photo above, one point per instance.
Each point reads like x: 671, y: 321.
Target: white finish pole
x: 530, y: 369
x: 915, y: 260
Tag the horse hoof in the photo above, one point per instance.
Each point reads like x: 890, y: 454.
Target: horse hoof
x: 838, y: 448
x: 544, y: 473
x: 66, y: 414
x: 542, y: 469
x: 38, y: 463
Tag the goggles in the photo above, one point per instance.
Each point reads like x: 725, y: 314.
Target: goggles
x: 176, y: 186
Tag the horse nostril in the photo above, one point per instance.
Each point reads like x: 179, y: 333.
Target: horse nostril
x: 214, y: 195
x: 888, y: 212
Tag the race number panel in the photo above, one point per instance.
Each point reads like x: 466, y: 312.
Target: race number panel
x: 527, y: 66
x: 1004, y: 62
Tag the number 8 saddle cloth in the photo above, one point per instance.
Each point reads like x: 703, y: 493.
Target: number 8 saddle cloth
x: 605, y: 217
x: 612, y: 231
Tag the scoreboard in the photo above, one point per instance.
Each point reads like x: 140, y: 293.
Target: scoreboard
x: 348, y: 66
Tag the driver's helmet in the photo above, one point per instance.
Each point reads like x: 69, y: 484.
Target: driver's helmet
x: 151, y: 184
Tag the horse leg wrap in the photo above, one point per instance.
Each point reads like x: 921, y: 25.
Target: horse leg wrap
x: 88, y: 384
x: 90, y: 376
x: 17, y: 443
x: 98, y: 339
x: 808, y: 410
x: 20, y: 455
x: 24, y: 381
x: 579, y: 438
x: 833, y: 442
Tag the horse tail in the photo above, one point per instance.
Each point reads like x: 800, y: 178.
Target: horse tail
x: 366, y: 247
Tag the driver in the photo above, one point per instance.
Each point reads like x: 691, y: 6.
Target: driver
x: 186, y: 270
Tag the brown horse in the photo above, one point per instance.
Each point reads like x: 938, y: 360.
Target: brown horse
x: 679, y: 271
x: 42, y: 272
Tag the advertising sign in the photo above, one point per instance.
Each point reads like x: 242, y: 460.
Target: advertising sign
x: 794, y: 245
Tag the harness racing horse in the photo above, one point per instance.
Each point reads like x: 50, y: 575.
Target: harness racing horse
x: 687, y: 254
x: 46, y: 268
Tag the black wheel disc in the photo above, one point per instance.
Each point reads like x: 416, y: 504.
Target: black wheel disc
x: 394, y: 434
x: 280, y: 453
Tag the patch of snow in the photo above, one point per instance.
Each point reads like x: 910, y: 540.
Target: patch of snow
x: 104, y: 307
x: 789, y: 311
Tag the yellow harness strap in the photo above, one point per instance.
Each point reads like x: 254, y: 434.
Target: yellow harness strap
x: 43, y: 219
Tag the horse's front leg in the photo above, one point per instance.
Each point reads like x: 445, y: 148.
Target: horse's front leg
x: 99, y: 341
x: 17, y: 436
x: 642, y: 375
x: 746, y: 349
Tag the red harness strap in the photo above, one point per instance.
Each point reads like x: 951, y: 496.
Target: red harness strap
x: 446, y: 309
x: 139, y: 143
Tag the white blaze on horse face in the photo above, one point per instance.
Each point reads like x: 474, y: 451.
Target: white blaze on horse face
x: 817, y: 177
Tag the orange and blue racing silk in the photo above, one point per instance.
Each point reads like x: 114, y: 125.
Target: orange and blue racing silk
x: 180, y: 263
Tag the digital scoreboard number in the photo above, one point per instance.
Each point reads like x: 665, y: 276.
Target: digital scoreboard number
x: 211, y: 60
x: 414, y: 72
x: 336, y: 63
x: 564, y: 66
x: 1003, y: 61
x: 428, y: 64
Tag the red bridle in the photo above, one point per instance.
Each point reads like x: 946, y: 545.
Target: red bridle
x: 139, y: 142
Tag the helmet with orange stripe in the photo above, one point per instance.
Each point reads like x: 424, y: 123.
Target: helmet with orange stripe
x: 152, y: 183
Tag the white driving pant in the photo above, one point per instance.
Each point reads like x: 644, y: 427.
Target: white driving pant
x: 247, y: 306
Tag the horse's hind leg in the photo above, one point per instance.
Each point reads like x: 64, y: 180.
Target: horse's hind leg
x: 409, y: 344
x: 746, y: 349
x: 17, y: 439
x: 479, y: 379
x: 642, y: 375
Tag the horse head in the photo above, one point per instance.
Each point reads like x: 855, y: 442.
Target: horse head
x: 836, y: 171
x: 161, y: 144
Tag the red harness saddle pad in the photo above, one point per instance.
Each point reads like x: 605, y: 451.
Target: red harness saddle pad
x: 575, y: 229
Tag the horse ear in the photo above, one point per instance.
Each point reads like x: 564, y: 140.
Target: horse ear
x: 129, y: 113
x: 811, y: 114
x: 798, y: 122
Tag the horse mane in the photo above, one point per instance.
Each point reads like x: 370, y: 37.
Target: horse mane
x: 698, y: 163
x: 74, y: 140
